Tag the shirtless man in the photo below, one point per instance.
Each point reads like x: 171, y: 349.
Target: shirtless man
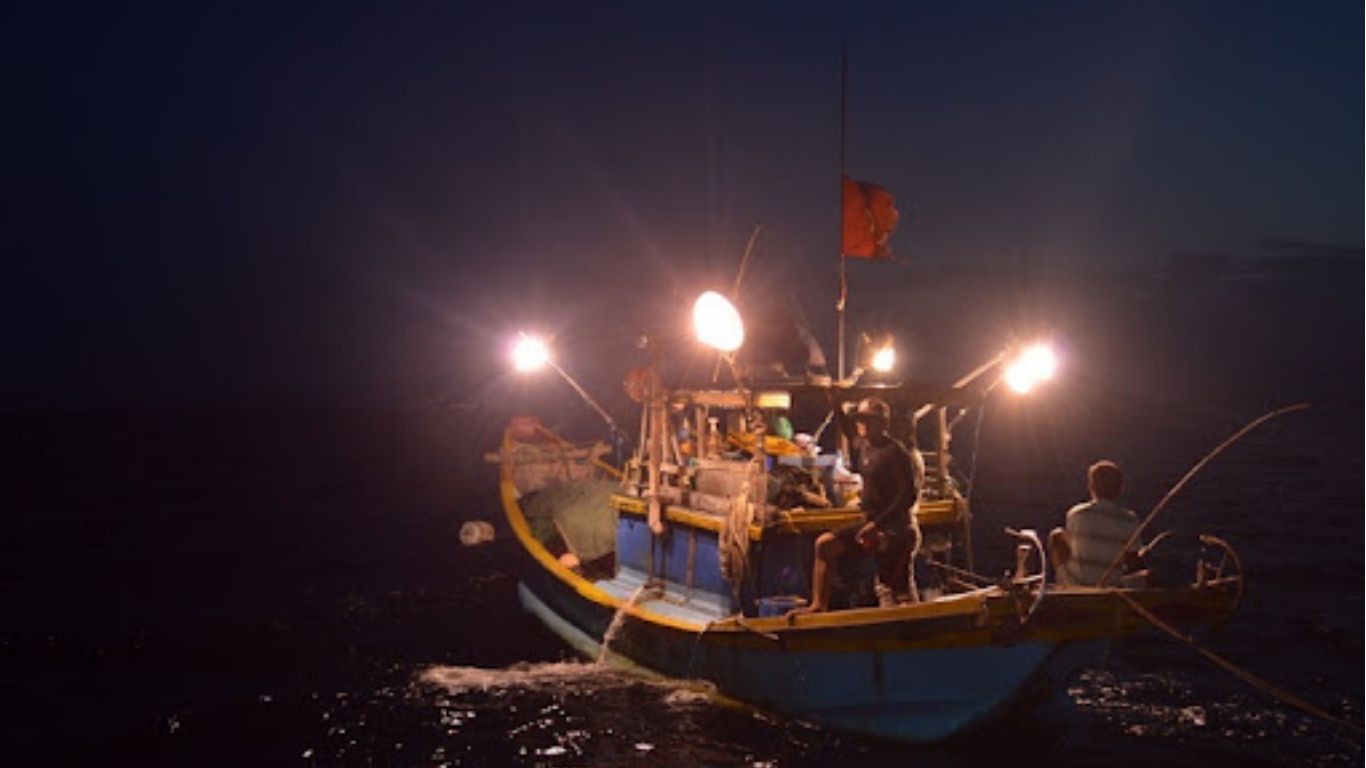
x: 892, y: 477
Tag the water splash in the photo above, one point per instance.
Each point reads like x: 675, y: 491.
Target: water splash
x: 565, y: 677
x: 692, y: 693
x: 618, y: 619
x: 566, y: 713
x: 519, y: 677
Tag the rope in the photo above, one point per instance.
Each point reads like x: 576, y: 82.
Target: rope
x: 733, y: 541
x: 816, y: 438
x: 959, y: 572
x: 1264, y: 686
x: 910, y: 561
x: 976, y: 443
x: 1199, y: 465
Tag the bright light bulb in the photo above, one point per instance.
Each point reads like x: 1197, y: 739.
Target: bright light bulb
x: 1040, y: 362
x: 529, y: 354
x: 1035, y: 364
x: 1018, y: 378
x: 717, y: 322
x: 884, y: 359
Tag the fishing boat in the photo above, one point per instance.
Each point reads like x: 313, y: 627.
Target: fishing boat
x: 687, y: 557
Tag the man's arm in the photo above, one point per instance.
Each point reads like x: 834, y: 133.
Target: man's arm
x: 908, y: 492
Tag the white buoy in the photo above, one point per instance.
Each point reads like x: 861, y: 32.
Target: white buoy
x: 476, y: 532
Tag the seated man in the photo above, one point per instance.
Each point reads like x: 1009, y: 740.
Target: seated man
x: 1095, y: 533
x: 892, y: 477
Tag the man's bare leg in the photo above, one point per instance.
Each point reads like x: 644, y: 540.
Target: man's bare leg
x: 828, y: 550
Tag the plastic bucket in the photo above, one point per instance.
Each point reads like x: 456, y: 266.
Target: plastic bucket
x: 779, y: 605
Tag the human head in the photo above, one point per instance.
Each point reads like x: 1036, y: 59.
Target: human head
x: 1105, y: 480
x: 903, y: 429
x: 874, y: 415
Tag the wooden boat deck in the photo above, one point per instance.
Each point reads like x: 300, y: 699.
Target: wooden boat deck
x: 698, y: 608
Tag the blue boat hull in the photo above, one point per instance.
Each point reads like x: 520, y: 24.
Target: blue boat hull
x: 921, y: 672
x: 916, y: 695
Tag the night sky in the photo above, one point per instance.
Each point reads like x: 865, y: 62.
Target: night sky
x: 339, y: 202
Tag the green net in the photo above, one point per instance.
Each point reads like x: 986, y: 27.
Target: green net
x: 582, y: 513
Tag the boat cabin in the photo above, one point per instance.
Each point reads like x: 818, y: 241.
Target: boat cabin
x: 721, y: 506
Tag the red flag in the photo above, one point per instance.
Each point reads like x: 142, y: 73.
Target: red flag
x: 870, y: 217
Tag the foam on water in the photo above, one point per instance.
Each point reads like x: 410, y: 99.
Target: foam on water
x: 457, y: 680
x: 562, y: 712
x: 562, y: 677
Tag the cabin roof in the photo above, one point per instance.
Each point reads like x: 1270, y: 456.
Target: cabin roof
x: 904, y: 394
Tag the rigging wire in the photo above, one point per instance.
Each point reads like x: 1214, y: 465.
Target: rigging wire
x: 976, y: 443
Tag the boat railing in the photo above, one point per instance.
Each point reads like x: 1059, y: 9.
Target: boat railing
x: 536, y: 457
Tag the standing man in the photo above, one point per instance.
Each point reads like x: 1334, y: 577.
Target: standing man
x: 1095, y: 532
x: 892, y: 475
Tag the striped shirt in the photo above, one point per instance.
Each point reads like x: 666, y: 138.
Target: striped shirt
x: 1097, y: 531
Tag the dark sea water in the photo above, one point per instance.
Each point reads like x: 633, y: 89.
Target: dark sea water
x: 288, y: 588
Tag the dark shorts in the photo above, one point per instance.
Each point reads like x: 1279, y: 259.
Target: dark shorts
x: 891, y: 556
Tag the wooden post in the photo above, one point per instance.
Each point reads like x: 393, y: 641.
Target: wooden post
x: 658, y: 418
x: 965, y: 514
x: 942, y: 449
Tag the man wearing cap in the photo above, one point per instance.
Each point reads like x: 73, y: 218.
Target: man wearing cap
x: 892, y: 475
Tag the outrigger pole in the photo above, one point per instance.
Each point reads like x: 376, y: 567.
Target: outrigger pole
x: 1199, y: 465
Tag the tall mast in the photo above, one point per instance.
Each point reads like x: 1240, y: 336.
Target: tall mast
x: 839, y: 239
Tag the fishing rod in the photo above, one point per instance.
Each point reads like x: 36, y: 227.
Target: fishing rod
x: 1199, y: 465
x: 1260, y: 684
